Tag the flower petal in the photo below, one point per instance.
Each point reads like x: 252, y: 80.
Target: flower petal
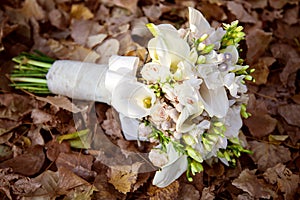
x: 128, y: 96
x: 130, y: 128
x: 215, y: 101
x: 176, y: 166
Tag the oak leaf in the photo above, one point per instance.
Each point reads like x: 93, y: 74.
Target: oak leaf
x: 268, y: 155
x: 123, y: 177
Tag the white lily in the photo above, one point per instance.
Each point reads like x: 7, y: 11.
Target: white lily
x: 167, y: 47
x: 177, y: 164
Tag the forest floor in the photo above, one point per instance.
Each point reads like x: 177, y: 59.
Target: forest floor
x: 38, y: 161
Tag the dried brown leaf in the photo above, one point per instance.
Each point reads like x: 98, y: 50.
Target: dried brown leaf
x: 61, y: 102
x: 28, y: 163
x: 291, y: 15
x: 286, y: 181
x: 111, y: 124
x: 32, y: 9
x: 35, y: 136
x: 107, y: 49
x: 207, y: 193
x: 40, y: 117
x: 68, y: 180
x: 82, y: 29
x: 261, y: 72
x: 123, y: 177
x: 188, y: 192
x: 153, y: 12
x: 241, y: 14
x: 278, y: 4
x: 268, y: 155
x: 79, y: 11
x: 14, y: 106
x: 248, y: 182
x: 291, y: 113
x: 258, y: 3
x: 80, y: 164
x: 72, y: 51
x: 166, y: 193
x: 257, y: 41
x: 128, y: 4
x: 292, y: 66
x: 5, y: 152
x: 106, y: 191
x: 286, y: 31
x: 54, y: 149
x: 260, y: 124
x: 59, y: 18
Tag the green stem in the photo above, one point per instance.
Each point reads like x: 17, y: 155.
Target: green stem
x: 30, y: 72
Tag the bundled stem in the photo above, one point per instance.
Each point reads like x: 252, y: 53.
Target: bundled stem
x: 30, y: 72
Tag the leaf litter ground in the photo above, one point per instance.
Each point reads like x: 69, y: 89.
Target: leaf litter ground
x: 40, y: 154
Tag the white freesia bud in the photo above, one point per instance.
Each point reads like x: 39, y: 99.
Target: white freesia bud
x: 158, y: 157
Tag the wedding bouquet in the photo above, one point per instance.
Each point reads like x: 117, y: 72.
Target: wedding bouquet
x: 188, y: 100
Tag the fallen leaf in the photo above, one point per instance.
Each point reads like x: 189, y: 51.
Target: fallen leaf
x: 207, y: 193
x: 292, y: 66
x: 291, y: 15
x: 71, y: 51
x: 286, y: 31
x: 5, y: 152
x: 94, y: 40
x: 278, y: 51
x: 35, y: 136
x: 28, y: 163
x: 105, y: 191
x: 59, y: 18
x: 241, y: 14
x: 257, y: 41
x: 278, y: 4
x: 111, y: 124
x: 269, y: 15
x: 123, y: 177
x: 268, y: 155
x: 79, y: 11
x: 40, y: 117
x: 80, y: 164
x: 248, y: 182
x: 291, y: 113
x: 82, y: 29
x: 61, y: 102
x: 54, y: 148
x: 286, y: 181
x: 128, y: 4
x: 107, y: 49
x: 188, y: 192
x: 260, y: 124
x: 296, y: 98
x: 153, y: 12
x: 32, y: 9
x: 68, y: 180
x: 261, y: 72
x: 258, y: 3
x: 169, y: 192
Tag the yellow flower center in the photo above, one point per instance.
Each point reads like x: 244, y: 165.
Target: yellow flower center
x: 147, y: 102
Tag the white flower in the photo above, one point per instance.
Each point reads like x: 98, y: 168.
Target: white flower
x: 144, y: 131
x: 158, y: 157
x: 167, y: 47
x: 215, y: 101
x: 130, y: 128
x: 159, y: 113
x: 133, y: 99
x: 233, y: 122
x: 154, y: 72
x: 200, y: 26
x: 177, y: 164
